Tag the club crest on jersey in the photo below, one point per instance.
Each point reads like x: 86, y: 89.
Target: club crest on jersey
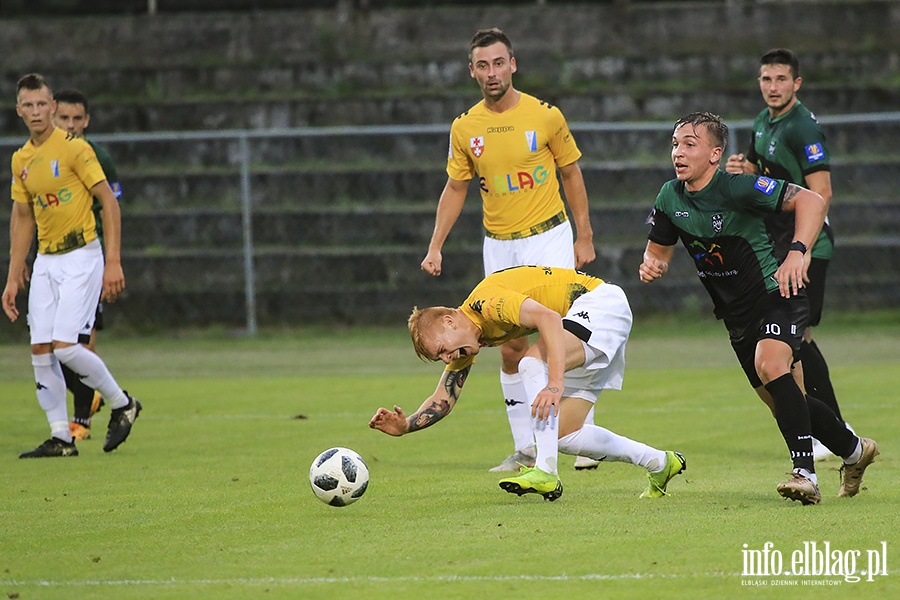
x: 765, y: 185
x: 772, y: 145
x: 531, y: 138
x: 54, y: 167
x: 24, y: 174
x: 814, y: 152
x: 477, y: 146
x: 717, y: 223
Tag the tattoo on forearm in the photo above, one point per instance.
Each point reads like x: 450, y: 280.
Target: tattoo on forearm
x: 455, y: 381
x: 429, y: 416
x: 792, y: 190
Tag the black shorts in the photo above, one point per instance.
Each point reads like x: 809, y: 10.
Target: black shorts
x: 782, y: 319
x: 815, y: 289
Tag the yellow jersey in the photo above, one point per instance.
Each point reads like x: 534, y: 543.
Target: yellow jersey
x: 495, y: 303
x: 515, y: 155
x: 56, y: 178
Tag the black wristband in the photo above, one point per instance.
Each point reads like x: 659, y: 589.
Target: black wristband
x: 799, y: 246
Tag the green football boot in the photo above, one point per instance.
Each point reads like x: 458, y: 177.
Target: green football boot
x: 533, y: 481
x: 675, y: 464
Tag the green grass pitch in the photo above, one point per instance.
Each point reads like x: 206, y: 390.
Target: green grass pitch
x: 209, y: 498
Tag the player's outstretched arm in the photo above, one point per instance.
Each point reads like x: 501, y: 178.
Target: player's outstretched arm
x: 113, y: 276
x: 450, y: 205
x: 433, y: 409
x: 576, y: 196
x: 21, y: 233
x: 656, y: 261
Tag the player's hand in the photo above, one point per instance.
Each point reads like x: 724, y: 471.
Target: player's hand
x: 791, y: 275
x: 584, y: 252
x: 735, y: 163
x: 9, y: 300
x: 547, y: 403
x: 390, y: 422
x: 432, y: 263
x: 652, y: 269
x: 113, y: 282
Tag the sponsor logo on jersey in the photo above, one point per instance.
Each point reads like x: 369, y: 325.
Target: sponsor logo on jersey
x: 49, y: 200
x: 702, y: 254
x: 814, y: 152
x: 477, y: 146
x: 515, y: 182
x: 531, y: 138
x: 717, y: 223
x: 54, y: 167
x: 765, y: 185
x: 682, y: 213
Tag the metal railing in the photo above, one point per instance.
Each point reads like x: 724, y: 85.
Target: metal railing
x: 738, y: 130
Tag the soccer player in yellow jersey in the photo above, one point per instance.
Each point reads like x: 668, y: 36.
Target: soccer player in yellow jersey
x: 514, y: 144
x: 55, y: 177
x: 583, y: 325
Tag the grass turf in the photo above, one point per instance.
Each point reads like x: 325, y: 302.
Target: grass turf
x: 209, y: 498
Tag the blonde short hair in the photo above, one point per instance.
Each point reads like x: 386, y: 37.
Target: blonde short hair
x: 420, y: 322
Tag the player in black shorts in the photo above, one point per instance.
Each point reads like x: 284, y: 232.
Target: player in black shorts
x: 789, y: 144
x: 720, y: 219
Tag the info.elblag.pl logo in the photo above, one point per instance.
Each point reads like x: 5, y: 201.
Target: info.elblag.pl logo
x: 770, y: 566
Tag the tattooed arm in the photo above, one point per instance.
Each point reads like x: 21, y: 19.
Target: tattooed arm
x: 433, y: 409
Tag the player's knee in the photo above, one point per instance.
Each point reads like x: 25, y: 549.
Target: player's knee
x: 66, y: 353
x: 571, y: 443
x: 769, y: 369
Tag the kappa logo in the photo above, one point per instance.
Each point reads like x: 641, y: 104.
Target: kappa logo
x: 583, y: 315
x: 717, y: 223
x: 511, y: 402
x: 477, y: 305
x: 477, y: 146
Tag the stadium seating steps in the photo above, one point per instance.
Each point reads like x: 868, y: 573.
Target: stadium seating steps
x: 360, y: 208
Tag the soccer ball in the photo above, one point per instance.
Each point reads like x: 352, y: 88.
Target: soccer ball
x: 339, y: 476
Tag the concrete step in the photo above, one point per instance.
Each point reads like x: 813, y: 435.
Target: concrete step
x: 606, y: 183
x: 378, y: 229
x: 358, y: 286
x: 440, y: 108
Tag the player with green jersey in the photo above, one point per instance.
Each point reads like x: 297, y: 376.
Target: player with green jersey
x: 73, y: 115
x: 720, y: 219
x: 789, y: 144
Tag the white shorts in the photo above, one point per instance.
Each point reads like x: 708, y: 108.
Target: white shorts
x: 65, y: 289
x: 554, y: 248
x: 601, y: 319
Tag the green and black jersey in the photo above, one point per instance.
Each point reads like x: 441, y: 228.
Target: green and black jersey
x: 723, y: 228
x: 790, y: 147
x: 112, y: 178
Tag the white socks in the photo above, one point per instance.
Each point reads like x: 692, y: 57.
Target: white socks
x: 546, y: 433
x: 602, y: 444
x: 518, y: 411
x: 51, y: 394
x: 85, y: 363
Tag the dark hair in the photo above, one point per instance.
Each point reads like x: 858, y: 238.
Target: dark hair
x: 73, y: 96
x: 32, y: 81
x: 714, y: 125
x: 488, y: 37
x: 782, y: 56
